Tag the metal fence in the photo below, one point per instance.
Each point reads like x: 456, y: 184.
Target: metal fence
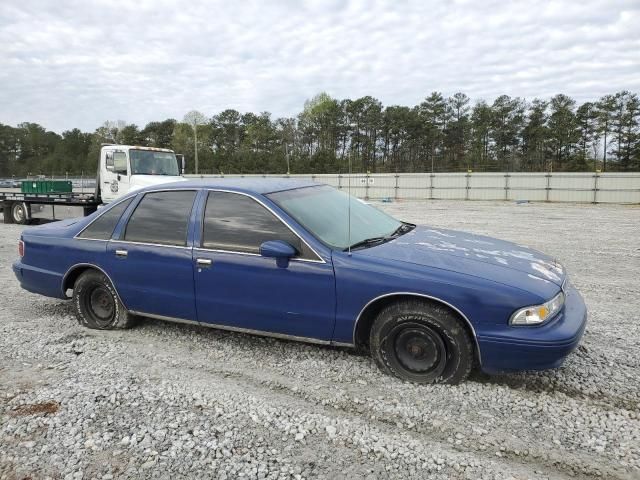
x: 545, y: 187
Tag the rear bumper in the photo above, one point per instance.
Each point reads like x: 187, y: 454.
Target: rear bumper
x: 536, y: 348
x: 38, y: 280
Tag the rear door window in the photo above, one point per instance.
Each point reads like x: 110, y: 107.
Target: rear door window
x: 102, y: 227
x: 161, y: 218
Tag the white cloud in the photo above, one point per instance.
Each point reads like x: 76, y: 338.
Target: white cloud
x: 76, y: 63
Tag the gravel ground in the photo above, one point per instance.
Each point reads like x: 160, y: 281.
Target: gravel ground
x: 169, y: 401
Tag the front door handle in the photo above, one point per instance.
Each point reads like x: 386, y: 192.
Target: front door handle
x: 203, y: 262
x: 121, y: 253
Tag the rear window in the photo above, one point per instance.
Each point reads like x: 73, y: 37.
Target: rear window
x: 102, y: 227
x: 162, y: 218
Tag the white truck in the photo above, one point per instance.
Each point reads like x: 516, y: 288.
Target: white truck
x: 121, y: 169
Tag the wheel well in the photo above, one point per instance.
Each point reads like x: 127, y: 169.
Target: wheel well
x: 371, y: 311
x: 71, y: 277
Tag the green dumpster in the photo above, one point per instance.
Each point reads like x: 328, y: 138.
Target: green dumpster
x: 46, y: 186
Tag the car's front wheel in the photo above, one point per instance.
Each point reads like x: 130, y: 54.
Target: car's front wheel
x: 97, y: 304
x: 421, y: 342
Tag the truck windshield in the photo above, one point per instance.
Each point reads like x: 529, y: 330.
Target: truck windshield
x: 148, y: 162
x: 324, y: 211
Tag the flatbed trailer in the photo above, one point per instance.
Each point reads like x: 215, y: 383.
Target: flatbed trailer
x: 17, y: 206
x: 121, y: 169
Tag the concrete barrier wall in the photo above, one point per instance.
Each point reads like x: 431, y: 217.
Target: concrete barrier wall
x: 551, y: 187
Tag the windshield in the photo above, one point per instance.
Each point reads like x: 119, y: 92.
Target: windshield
x: 324, y: 212
x: 148, y: 162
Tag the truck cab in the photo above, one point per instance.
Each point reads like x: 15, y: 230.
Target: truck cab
x: 124, y: 168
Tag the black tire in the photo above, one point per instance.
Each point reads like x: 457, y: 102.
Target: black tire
x: 86, y: 211
x: 97, y: 304
x: 19, y: 213
x: 6, y: 212
x: 421, y: 342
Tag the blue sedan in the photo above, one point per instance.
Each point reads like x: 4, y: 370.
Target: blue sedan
x: 304, y: 261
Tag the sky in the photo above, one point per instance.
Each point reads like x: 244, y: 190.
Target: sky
x: 77, y: 63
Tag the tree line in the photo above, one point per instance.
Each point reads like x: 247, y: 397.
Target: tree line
x: 331, y: 136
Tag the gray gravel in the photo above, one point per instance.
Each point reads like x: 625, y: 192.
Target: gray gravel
x: 171, y: 401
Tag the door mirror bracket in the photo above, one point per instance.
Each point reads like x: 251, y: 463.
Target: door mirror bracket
x: 278, y: 249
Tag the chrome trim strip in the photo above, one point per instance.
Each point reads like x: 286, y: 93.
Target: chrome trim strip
x: 129, y: 242
x: 235, y: 252
x: 91, y: 239
x: 251, y: 254
x: 395, y: 294
x: 77, y: 265
x: 319, y: 260
x: 262, y: 333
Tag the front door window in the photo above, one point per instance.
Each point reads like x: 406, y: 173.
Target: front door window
x: 238, y: 223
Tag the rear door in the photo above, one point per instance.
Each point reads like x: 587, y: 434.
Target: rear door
x: 151, y: 261
x: 237, y: 287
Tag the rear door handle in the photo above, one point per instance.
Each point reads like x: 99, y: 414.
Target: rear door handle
x: 121, y: 253
x: 203, y: 262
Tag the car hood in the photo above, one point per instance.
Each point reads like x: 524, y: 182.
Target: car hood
x: 453, y: 250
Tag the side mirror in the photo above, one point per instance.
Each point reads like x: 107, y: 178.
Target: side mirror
x: 182, y: 164
x: 109, y: 160
x: 278, y: 249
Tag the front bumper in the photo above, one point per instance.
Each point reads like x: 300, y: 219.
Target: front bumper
x: 535, y: 348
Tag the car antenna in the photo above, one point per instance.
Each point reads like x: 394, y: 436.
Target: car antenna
x: 349, y: 207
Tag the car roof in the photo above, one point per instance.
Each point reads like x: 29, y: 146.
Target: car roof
x: 257, y: 185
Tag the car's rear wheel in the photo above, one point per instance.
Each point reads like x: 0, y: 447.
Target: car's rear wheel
x: 421, y: 342
x: 97, y: 304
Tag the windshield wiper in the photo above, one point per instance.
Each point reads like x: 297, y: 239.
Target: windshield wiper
x: 402, y: 229
x: 367, y: 242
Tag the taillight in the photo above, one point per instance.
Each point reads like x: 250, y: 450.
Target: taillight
x: 21, y: 248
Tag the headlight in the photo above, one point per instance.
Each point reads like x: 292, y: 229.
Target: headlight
x: 537, y: 314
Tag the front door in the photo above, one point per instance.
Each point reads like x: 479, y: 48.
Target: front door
x: 237, y: 287
x: 151, y: 261
x: 114, y: 177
